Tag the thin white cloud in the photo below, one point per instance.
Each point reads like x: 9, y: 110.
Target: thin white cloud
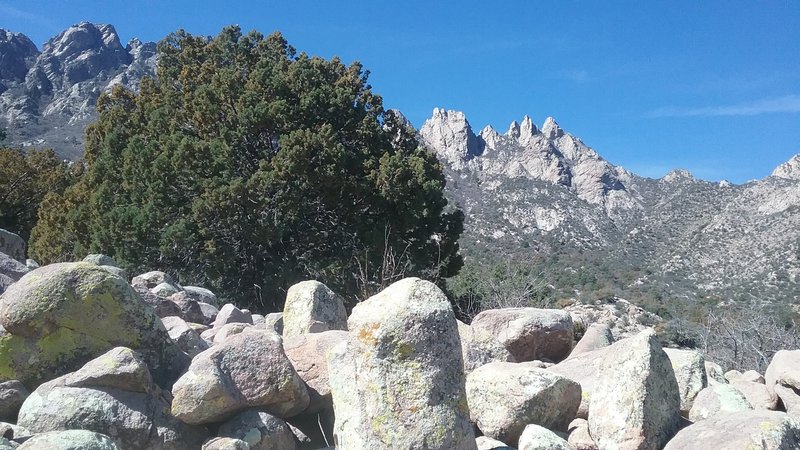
x: 785, y: 104
x: 25, y: 15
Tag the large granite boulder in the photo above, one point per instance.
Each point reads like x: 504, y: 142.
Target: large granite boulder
x: 248, y: 370
x: 229, y: 313
x: 398, y: 381
x: 115, y: 395
x: 756, y: 429
x: 12, y: 395
x: 636, y: 401
x: 784, y: 370
x: 187, y: 339
x: 11, y: 271
x: 505, y: 397
x: 479, y: 347
x: 583, y: 369
x: 309, y: 356
x: 536, y: 437
x: 715, y: 399
x: 201, y: 295
x: 529, y: 333
x: 312, y: 308
x: 12, y: 245
x: 58, y: 317
x: 757, y: 394
x: 597, y: 336
x: 690, y: 373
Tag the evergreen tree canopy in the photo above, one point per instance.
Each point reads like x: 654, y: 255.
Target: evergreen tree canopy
x: 247, y: 167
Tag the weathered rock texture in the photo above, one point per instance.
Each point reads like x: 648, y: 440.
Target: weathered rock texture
x: 529, y: 333
x: 312, y: 308
x: 763, y: 430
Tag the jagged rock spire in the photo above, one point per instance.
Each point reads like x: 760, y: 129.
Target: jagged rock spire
x: 789, y: 170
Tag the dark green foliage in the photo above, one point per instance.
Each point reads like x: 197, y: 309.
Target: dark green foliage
x: 248, y: 167
x: 25, y: 179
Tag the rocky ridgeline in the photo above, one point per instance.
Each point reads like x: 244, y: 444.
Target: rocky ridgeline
x: 91, y: 361
x: 48, y: 97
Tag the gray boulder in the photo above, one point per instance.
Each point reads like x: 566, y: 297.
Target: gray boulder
x: 752, y: 376
x: 529, y: 333
x: 100, y: 260
x: 583, y: 369
x: 398, y: 381
x: 11, y: 271
x: 579, y: 436
x: 487, y: 443
x: 191, y: 310
x: 757, y: 394
x: 225, y: 443
x: 12, y: 395
x: 200, y: 294
x: 757, y: 429
x: 187, y: 339
x: 31, y: 264
x: 261, y: 431
x: 152, y: 279
x: 505, y: 397
x: 636, y: 402
x: 536, y: 437
x: 690, y: 373
x: 784, y: 369
x: 113, y: 395
x: 60, y: 316
x: 209, y: 313
x: 231, y: 314
x: 69, y: 440
x: 718, y: 398
x: 479, y: 347
x: 165, y: 289
x: 274, y: 321
x: 598, y: 335
x: 249, y: 370
x: 312, y: 308
x: 790, y: 398
x: 12, y: 245
x: 308, y: 354
x: 714, y: 373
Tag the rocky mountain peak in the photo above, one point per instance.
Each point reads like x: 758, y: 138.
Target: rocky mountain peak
x: 513, y: 130
x: 527, y: 130
x: 450, y: 135
x: 789, y: 170
x: 551, y: 130
x: 490, y: 137
x: 17, y: 54
x: 678, y: 175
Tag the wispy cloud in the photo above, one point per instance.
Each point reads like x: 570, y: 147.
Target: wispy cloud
x: 25, y: 15
x: 785, y: 104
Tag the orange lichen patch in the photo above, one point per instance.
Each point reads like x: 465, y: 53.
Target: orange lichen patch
x: 367, y: 334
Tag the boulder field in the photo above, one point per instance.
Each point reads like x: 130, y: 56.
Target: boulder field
x: 91, y: 360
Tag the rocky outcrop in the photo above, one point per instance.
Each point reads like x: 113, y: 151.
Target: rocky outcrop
x: 789, y: 170
x: 690, y: 373
x: 398, y: 381
x: 767, y: 430
x: 715, y: 399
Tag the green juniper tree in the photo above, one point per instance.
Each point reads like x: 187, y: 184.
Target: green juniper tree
x: 248, y: 167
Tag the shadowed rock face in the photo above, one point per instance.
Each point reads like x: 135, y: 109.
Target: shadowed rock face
x: 17, y: 53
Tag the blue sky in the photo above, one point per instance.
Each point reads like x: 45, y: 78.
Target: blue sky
x: 709, y: 86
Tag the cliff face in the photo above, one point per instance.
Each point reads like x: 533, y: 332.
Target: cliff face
x: 47, y: 98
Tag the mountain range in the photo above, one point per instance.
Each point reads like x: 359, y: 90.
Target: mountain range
x: 537, y: 195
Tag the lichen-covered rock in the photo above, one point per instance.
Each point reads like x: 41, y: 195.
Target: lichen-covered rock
x: 100, y: 260
x: 635, y: 403
x: 113, y: 394
x: 187, y: 339
x: 225, y: 443
x: 398, y: 381
x: 308, y: 354
x: 583, y: 369
x: 529, y: 333
x: 505, y: 397
x: 122, y: 273
x: 756, y: 394
x: 756, y: 429
x: 579, y: 437
x: 261, y: 431
x: 152, y: 279
x: 12, y: 394
x: 487, y: 443
x: 312, y: 308
x: 59, y: 316
x: 249, y: 370
x: 690, y: 373
x: 784, y: 369
x: 718, y: 398
x: 479, y: 347
x: 12, y: 245
x: 69, y: 440
x: 714, y: 373
x: 202, y: 295
x: 536, y: 437
x: 165, y: 290
x: 231, y: 314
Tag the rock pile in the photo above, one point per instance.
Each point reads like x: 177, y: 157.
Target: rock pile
x: 88, y: 360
